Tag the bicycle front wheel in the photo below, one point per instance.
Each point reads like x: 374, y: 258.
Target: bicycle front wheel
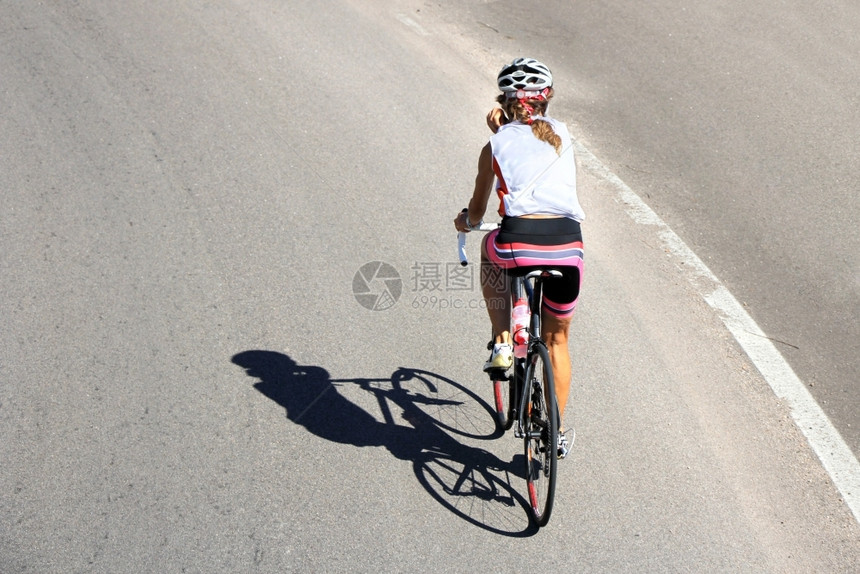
x: 503, y: 398
x: 541, y: 434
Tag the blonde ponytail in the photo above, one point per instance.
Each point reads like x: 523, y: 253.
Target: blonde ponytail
x: 543, y: 131
x: 524, y: 110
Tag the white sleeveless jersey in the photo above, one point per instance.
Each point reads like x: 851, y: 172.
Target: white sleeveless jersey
x: 532, y: 178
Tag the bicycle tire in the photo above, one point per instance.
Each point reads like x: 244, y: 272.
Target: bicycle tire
x: 540, y: 434
x: 502, y: 401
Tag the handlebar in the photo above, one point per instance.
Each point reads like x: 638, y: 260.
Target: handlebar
x: 461, y: 240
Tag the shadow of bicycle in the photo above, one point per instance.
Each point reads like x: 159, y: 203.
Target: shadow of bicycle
x: 421, y: 414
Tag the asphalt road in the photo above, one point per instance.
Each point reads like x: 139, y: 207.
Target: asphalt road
x: 188, y: 382
x: 738, y: 124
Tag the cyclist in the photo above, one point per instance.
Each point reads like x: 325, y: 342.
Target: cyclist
x: 531, y: 159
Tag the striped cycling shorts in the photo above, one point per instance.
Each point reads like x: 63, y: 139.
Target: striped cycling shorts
x: 521, y: 245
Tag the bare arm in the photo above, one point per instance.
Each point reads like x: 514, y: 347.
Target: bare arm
x: 483, y: 190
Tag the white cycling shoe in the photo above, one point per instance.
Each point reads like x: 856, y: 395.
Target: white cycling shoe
x: 502, y: 357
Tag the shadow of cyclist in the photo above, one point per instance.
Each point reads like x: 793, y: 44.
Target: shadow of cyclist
x: 311, y: 398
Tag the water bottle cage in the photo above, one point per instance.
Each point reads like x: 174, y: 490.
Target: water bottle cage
x: 521, y: 336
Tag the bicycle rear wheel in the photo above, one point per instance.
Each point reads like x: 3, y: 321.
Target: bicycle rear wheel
x: 541, y: 434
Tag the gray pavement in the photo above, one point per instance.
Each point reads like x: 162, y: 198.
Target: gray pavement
x: 188, y: 383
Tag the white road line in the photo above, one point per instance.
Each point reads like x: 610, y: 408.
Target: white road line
x: 834, y: 454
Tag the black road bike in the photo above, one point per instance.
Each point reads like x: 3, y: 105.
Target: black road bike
x: 524, y: 396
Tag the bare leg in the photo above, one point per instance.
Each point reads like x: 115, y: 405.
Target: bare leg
x: 496, y: 290
x: 555, y: 334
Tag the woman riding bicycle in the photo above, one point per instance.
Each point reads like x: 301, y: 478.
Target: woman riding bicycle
x: 531, y: 159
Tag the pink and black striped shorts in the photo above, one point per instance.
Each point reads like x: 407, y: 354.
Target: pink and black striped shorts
x: 521, y: 245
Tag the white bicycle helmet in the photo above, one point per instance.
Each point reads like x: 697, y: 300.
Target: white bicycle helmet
x: 524, y: 77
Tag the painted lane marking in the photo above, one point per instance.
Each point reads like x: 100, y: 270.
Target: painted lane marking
x: 831, y: 449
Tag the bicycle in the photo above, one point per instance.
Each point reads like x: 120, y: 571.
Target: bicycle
x: 527, y: 396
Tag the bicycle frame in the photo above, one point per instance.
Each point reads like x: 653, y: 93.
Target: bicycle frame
x: 532, y: 284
